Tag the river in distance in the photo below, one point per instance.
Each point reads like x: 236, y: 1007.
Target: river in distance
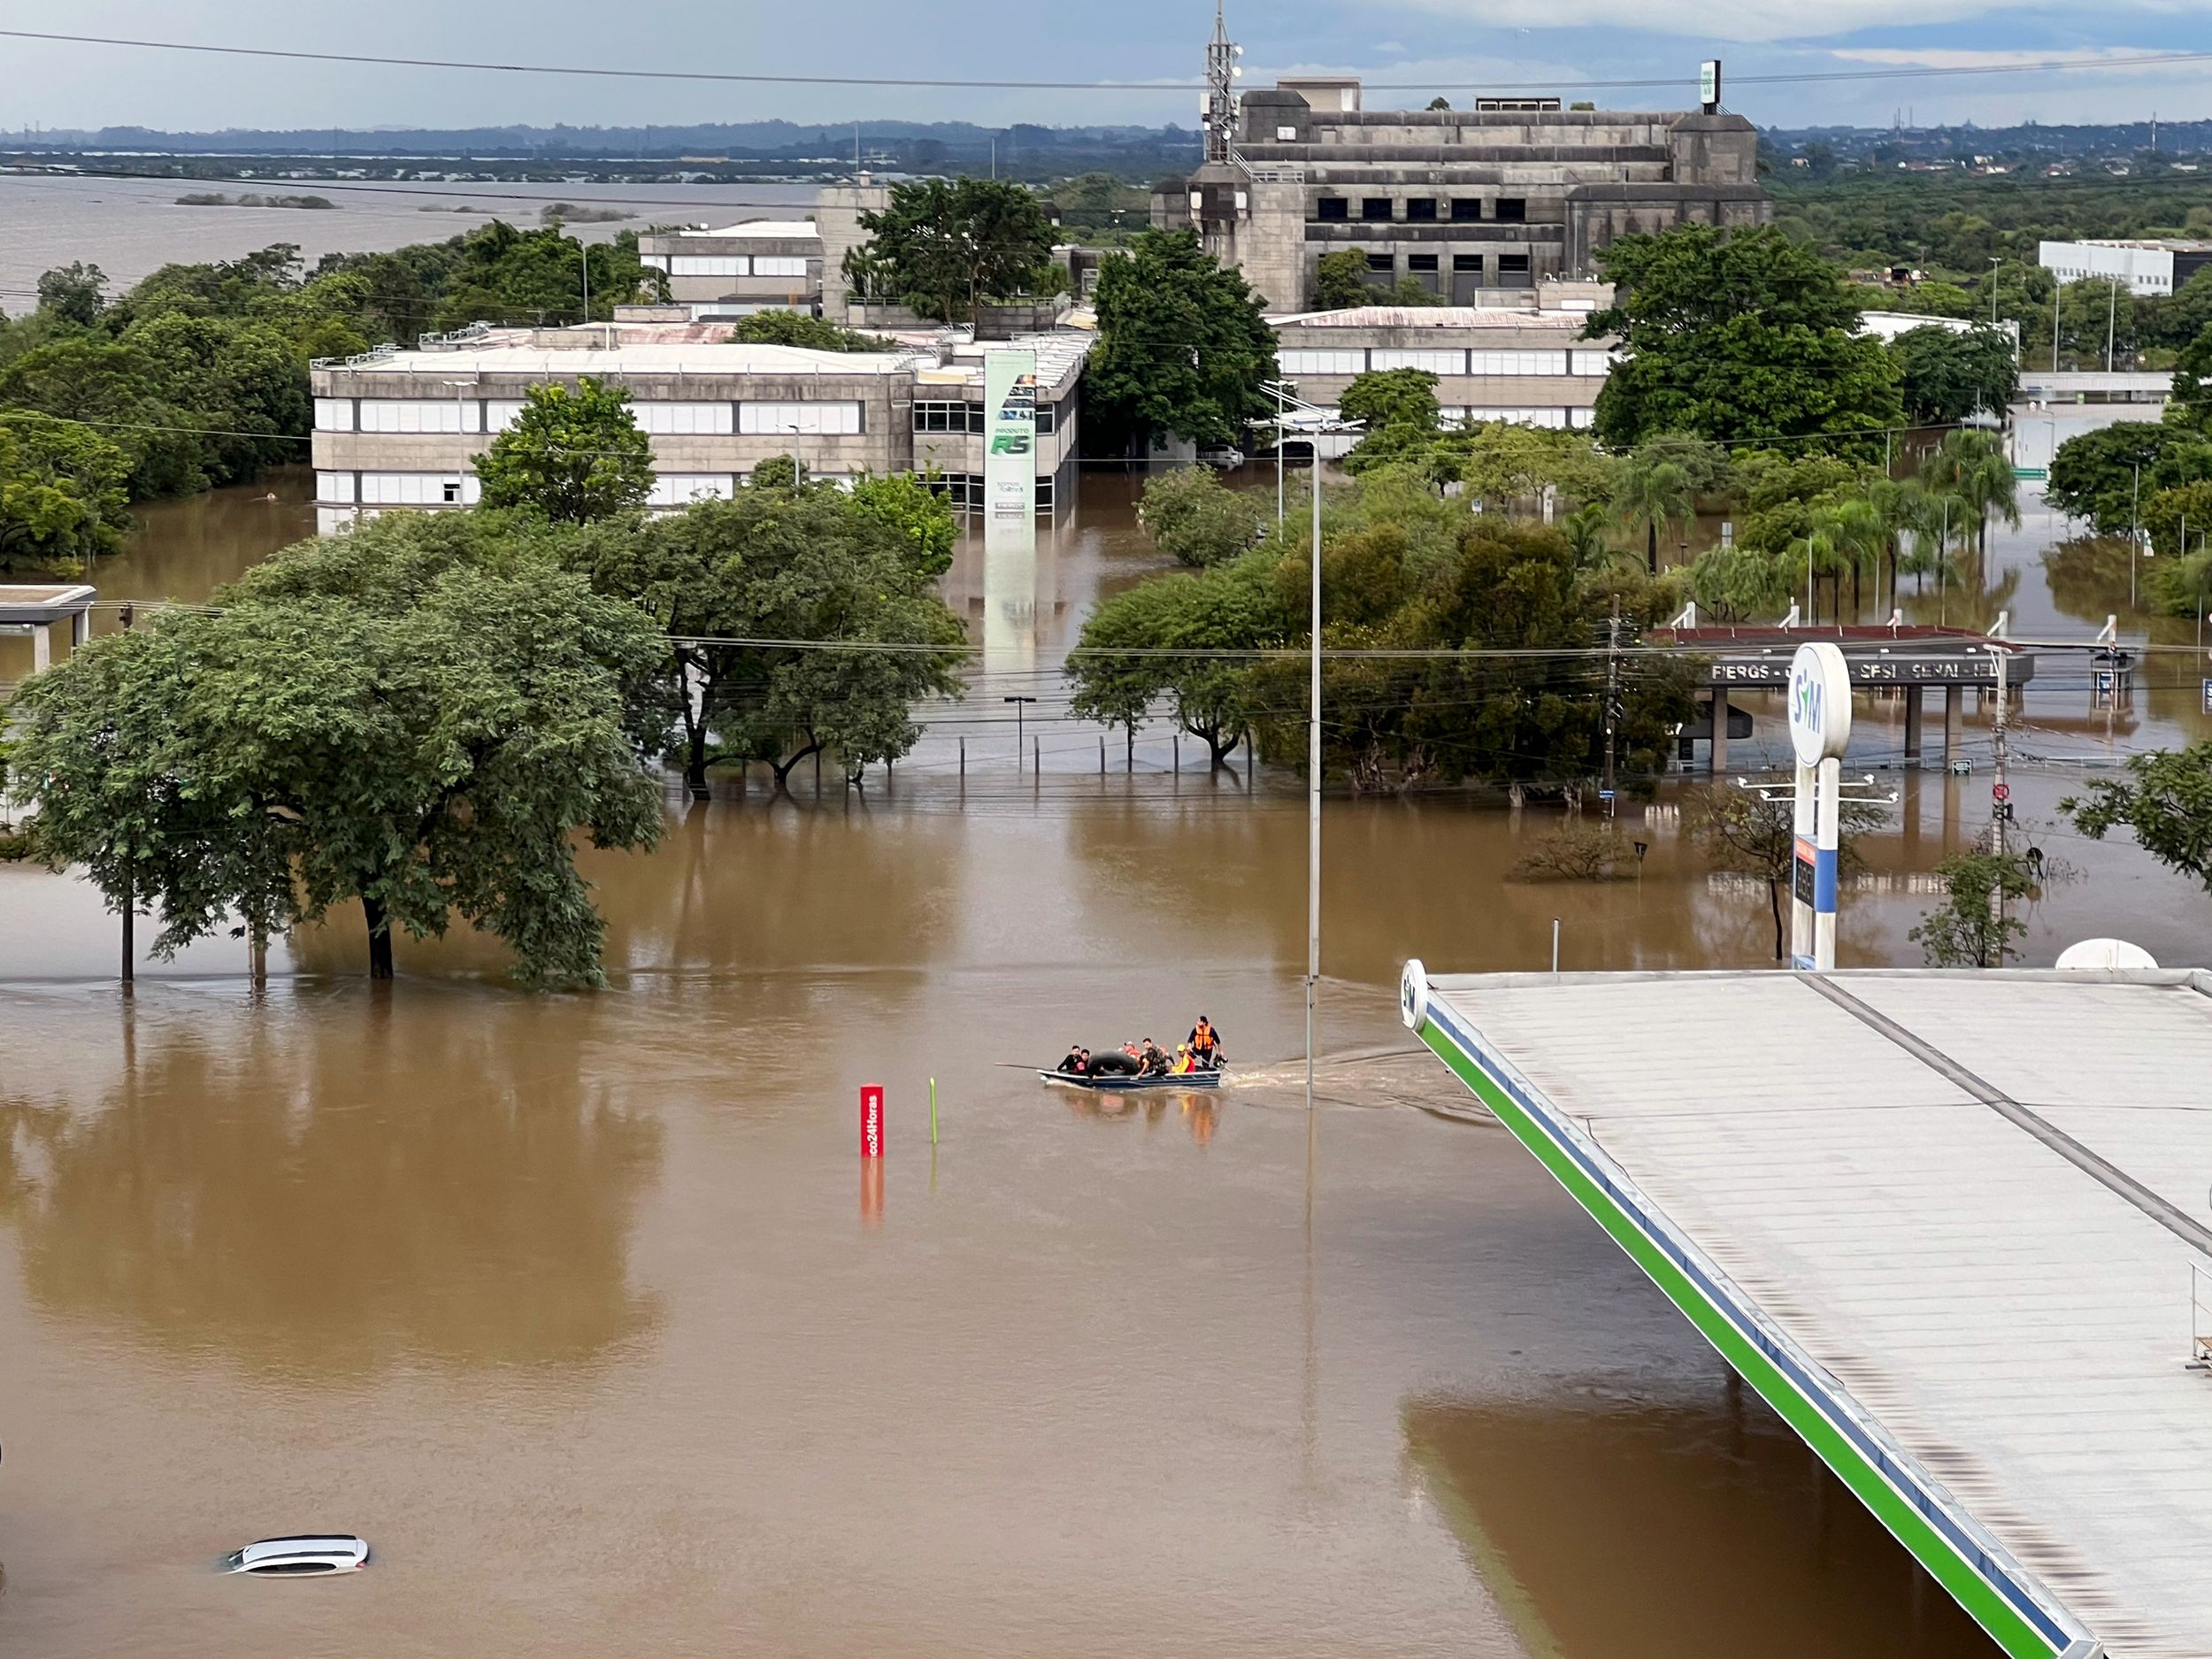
x: 584, y: 1310
x: 129, y: 227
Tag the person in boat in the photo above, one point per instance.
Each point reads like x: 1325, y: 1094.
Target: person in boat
x: 1155, y: 1058
x: 1078, y: 1063
x: 1205, y: 1045
x: 1185, y: 1062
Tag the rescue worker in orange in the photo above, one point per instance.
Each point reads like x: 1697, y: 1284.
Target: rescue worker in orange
x: 1205, y: 1044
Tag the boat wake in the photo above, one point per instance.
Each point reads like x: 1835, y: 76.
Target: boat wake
x: 1405, y: 1076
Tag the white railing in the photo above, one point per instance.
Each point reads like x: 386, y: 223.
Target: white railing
x: 359, y: 359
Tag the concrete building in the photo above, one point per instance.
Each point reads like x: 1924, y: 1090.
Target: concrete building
x: 2148, y: 268
x: 762, y: 265
x: 400, y: 429
x: 1474, y: 205
x: 1526, y: 365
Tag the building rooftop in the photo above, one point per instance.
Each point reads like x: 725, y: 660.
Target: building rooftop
x: 494, y: 355
x: 1949, y: 1224
x: 1437, y: 317
x: 762, y: 230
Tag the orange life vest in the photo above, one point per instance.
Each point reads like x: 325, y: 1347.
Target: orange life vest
x: 1203, y: 1040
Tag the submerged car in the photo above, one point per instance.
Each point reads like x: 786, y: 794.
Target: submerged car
x: 299, y: 1557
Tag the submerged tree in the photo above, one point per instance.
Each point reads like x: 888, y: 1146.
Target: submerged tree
x: 63, y: 500
x: 404, y: 715
x: 1973, y: 926
x: 1196, y: 520
x: 773, y: 602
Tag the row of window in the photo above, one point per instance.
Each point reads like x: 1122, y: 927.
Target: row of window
x: 1593, y: 362
x: 1422, y: 209
x: 1509, y: 265
x: 726, y: 264
x: 944, y: 417
x: 965, y: 490
x: 663, y: 418
x: 462, y: 489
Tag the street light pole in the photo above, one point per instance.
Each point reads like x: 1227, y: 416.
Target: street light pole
x: 1019, y: 711
x: 1993, y: 264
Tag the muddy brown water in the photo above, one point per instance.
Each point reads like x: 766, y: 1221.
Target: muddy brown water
x: 583, y: 1311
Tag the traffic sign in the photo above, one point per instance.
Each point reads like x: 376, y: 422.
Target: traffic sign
x: 2000, y: 792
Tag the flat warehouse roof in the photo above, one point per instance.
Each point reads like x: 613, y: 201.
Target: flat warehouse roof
x: 694, y: 357
x: 1950, y: 1224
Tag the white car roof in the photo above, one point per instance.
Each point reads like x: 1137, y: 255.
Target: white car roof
x: 274, y: 1549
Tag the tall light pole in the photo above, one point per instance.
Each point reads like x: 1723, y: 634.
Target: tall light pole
x: 1993, y: 264
x: 1313, y: 752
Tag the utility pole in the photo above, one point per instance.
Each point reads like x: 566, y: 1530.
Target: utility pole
x: 2057, y: 288
x: 2135, y: 529
x: 1612, y: 699
x: 2002, y: 807
x: 1993, y: 264
x: 2111, y: 316
x: 1313, y: 792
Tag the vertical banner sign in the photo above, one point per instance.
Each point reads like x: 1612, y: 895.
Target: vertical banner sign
x: 872, y: 1121
x: 1010, y: 510
x: 1010, y: 453
x: 1709, y: 85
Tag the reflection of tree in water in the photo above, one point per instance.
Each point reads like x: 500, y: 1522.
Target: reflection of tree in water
x: 751, y: 885
x: 2088, y: 576
x: 350, y: 1192
x: 1968, y: 600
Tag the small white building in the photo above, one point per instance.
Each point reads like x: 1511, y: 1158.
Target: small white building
x: 2150, y: 269
x: 762, y: 265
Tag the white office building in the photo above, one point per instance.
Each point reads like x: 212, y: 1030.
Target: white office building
x: 2150, y: 269
x: 402, y: 428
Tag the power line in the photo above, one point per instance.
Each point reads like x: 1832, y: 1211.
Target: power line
x: 1178, y: 86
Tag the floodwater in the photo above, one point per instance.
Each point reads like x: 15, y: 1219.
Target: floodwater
x: 130, y: 226
x: 584, y: 1310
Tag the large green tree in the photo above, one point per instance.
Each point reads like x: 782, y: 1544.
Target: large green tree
x: 1183, y: 345
x: 62, y: 496
x: 1945, y: 374
x: 408, y: 716
x: 1185, y: 641
x: 2106, y: 475
x: 571, y: 456
x: 948, y: 245
x: 799, y: 622
x: 1737, y: 335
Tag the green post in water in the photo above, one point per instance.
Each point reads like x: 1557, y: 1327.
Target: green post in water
x: 933, y: 1112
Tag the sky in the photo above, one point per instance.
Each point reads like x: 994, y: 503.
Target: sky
x: 1454, y: 46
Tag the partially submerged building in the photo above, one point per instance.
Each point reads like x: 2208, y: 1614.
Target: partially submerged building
x: 401, y: 428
